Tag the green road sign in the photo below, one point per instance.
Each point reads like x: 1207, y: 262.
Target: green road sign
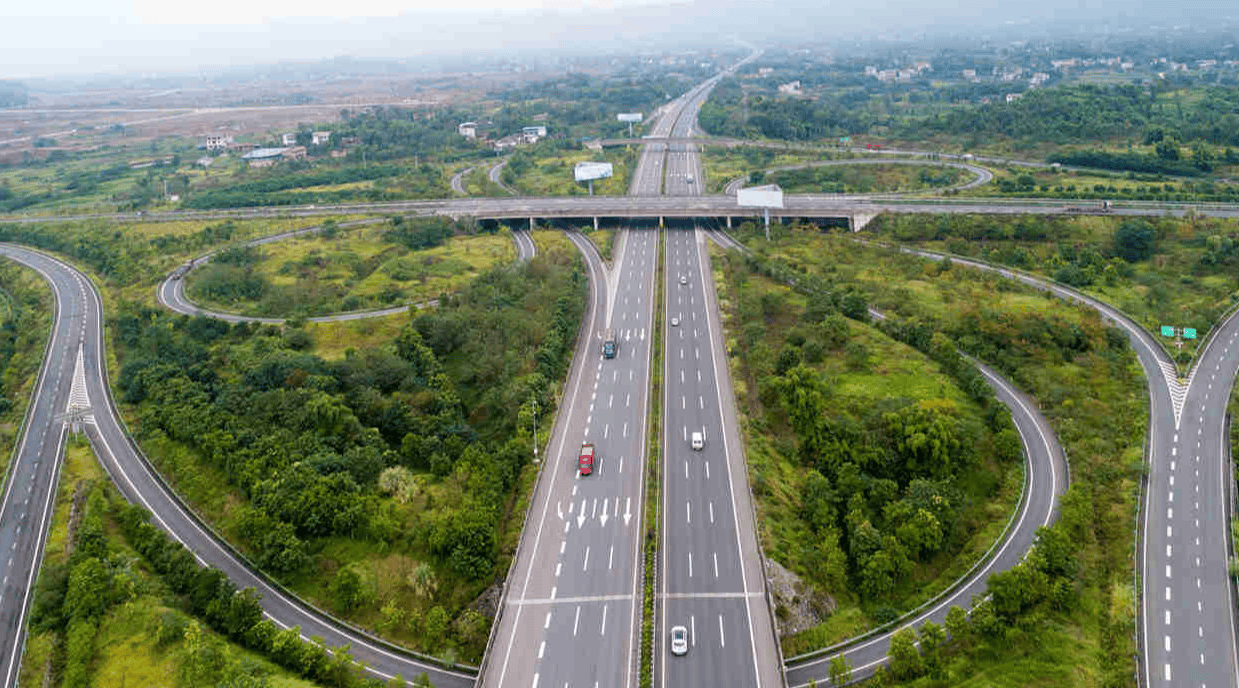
x: 1189, y: 333
x: 1167, y: 331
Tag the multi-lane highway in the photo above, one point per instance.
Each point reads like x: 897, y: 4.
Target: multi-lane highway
x: 712, y: 578
x: 571, y: 611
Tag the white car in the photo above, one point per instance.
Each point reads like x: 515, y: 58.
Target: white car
x: 698, y: 441
x: 675, y: 322
x: 679, y: 641
x: 683, y: 279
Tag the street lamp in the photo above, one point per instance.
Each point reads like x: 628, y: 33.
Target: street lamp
x: 535, y: 429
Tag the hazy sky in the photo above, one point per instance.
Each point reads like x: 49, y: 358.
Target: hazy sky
x: 85, y: 37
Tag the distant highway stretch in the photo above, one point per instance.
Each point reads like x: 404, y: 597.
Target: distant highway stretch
x: 717, y: 205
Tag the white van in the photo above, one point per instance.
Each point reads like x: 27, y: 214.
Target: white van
x: 698, y: 441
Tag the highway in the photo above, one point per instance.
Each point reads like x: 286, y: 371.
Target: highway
x: 571, y: 610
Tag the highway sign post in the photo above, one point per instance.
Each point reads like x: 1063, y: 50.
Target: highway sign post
x: 589, y: 171
x: 764, y: 197
x: 631, y: 118
x: 1189, y: 333
x: 1167, y: 331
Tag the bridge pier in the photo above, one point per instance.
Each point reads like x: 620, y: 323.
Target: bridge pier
x: 661, y: 223
x: 595, y: 223
x: 532, y: 224
x: 728, y: 222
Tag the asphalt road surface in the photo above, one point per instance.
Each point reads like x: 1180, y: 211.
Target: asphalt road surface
x: 571, y: 612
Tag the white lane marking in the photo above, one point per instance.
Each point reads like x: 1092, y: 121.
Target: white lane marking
x: 611, y: 557
x: 585, y: 566
x: 690, y: 564
x: 576, y: 622
x: 541, y: 649
x: 548, y: 621
x: 1167, y: 643
x: 722, y: 637
x: 716, y: 564
x: 535, y: 680
x: 604, y: 620
x: 558, y: 567
x: 688, y: 512
x: 711, y: 512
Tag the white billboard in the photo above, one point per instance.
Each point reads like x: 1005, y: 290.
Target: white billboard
x: 630, y: 117
x: 768, y: 196
x: 589, y: 171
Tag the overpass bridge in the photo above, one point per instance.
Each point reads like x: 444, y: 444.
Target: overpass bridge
x: 855, y: 210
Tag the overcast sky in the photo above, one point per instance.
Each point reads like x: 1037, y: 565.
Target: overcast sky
x: 83, y: 37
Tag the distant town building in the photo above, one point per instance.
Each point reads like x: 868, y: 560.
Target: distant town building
x: 204, y: 161
x: 791, y: 88
x: 1038, y: 79
x: 870, y: 70
x: 533, y: 134
x: 320, y: 138
x: 289, y: 139
x: 1012, y: 97
x: 468, y: 130
x: 767, y: 71
x: 215, y: 142
x: 509, y: 141
x: 969, y: 74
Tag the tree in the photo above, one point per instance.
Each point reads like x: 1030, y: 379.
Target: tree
x: 957, y: 624
x: 840, y: 671
x: 1135, y: 240
x: 352, y: 588
x: 436, y: 625
x: 932, y: 637
x: 423, y: 581
x: 906, y: 663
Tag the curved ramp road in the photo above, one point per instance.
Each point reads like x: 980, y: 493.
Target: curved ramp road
x: 457, y: 182
x: 983, y: 176
x: 1046, y: 479
x: 1187, y: 626
x: 171, y: 292
x: 75, y: 360
x: 496, y: 177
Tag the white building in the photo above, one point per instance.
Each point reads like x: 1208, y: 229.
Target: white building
x: 1012, y: 97
x: 214, y: 142
x: 533, y: 134
x: 289, y: 139
x: 792, y: 88
x: 468, y: 130
x: 320, y: 138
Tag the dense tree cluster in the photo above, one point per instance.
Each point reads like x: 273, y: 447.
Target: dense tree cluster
x: 280, y: 187
x: 304, y: 440
x: 881, y: 492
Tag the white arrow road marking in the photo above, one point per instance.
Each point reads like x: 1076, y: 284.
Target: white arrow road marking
x: 604, y: 516
x: 627, y: 510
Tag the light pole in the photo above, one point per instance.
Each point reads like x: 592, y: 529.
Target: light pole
x: 535, y: 429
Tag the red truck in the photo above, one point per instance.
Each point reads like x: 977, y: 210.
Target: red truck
x: 585, y: 462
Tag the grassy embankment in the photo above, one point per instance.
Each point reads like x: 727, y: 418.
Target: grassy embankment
x: 1185, y: 282
x: 359, y: 269
x: 1084, y: 377
x: 868, y: 178
x: 25, y: 325
x: 142, y: 641
x: 865, y: 370
x: 549, y: 172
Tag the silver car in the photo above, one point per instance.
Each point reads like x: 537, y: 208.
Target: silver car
x: 679, y: 641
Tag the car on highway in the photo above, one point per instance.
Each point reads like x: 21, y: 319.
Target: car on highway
x: 688, y: 179
x: 675, y: 322
x: 683, y: 279
x: 585, y: 461
x: 698, y: 441
x: 679, y: 641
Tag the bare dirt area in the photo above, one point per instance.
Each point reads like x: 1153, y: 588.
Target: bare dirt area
x: 798, y: 606
x: 124, y: 116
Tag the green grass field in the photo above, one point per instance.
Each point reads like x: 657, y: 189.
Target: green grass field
x: 359, y: 270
